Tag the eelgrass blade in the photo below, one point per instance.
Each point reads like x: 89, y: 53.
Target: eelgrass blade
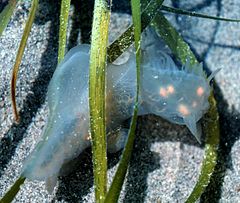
x: 20, y: 54
x: 65, y: 6
x: 211, y: 127
x: 126, y: 39
x: 173, y: 39
x: 12, y: 192
x: 6, y: 14
x: 116, y: 186
x: 98, y: 58
x: 194, y: 14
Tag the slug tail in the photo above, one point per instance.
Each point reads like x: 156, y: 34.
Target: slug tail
x: 50, y: 184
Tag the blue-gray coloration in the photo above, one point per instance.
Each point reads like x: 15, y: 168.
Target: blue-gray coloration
x: 178, y: 95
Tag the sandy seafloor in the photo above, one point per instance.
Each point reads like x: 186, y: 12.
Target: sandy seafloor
x: 166, y: 158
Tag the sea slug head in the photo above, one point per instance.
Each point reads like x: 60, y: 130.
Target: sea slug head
x: 180, y: 96
x: 192, y: 100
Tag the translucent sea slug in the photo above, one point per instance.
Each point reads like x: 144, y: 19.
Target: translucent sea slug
x: 178, y: 95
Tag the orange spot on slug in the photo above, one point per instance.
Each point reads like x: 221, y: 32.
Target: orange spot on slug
x: 200, y: 91
x: 170, y: 89
x: 163, y: 92
x: 183, y: 110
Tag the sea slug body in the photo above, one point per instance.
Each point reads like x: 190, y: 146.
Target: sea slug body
x: 179, y: 95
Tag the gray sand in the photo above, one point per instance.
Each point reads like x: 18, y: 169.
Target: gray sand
x: 166, y: 158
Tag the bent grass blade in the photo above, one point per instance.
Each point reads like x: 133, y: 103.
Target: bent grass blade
x: 9, y: 196
x: 20, y: 55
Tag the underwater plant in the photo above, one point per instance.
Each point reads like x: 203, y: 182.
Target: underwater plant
x: 97, y: 87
